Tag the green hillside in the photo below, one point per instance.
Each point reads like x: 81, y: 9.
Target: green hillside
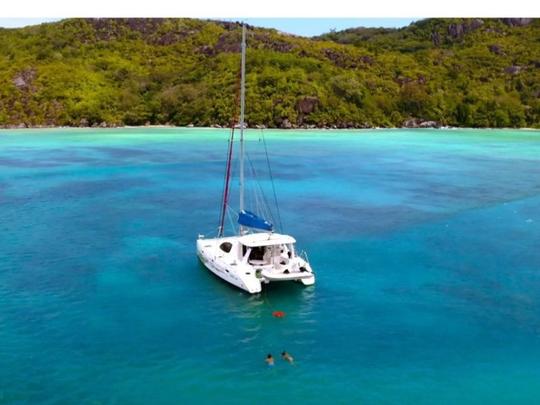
x: 459, y: 72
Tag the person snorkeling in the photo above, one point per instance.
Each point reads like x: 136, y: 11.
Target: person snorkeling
x: 287, y: 357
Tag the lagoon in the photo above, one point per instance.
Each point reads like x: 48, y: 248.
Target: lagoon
x: 425, y: 244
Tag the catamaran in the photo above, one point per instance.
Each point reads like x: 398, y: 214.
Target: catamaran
x: 255, y: 255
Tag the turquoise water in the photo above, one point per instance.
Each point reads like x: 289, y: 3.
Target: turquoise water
x: 425, y: 243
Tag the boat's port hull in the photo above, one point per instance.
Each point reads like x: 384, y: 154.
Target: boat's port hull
x: 252, y: 287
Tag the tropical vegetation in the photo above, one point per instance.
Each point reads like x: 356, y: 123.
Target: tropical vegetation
x: 88, y: 72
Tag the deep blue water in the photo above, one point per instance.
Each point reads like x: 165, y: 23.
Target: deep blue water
x: 426, y: 246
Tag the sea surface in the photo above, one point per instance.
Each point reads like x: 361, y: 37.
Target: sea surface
x: 426, y: 246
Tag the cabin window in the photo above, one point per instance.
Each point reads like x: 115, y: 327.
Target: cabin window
x: 257, y: 253
x: 226, y: 246
x: 290, y: 250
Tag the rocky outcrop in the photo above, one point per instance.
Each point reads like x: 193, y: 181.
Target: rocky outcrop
x: 337, y: 58
x: 430, y: 124
x: 149, y: 29
x: 285, y: 124
x: 228, y: 42
x: 475, y: 24
x: 231, y: 26
x: 368, y: 60
x: 496, y: 49
x: 306, y: 106
x: 24, y: 80
x: 457, y: 31
x: 410, y: 123
x: 513, y: 70
x: 345, y: 60
x: 436, y: 38
x: 517, y: 22
x: 85, y: 123
x: 273, y: 44
x: 420, y: 123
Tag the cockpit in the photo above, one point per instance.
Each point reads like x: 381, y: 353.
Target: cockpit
x: 269, y: 254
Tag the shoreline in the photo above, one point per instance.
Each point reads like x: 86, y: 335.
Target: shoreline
x: 259, y: 127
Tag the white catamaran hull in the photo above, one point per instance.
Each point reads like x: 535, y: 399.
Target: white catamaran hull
x: 238, y: 267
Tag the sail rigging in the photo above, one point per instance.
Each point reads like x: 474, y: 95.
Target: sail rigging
x: 246, y: 219
x: 242, y: 109
x: 225, y: 201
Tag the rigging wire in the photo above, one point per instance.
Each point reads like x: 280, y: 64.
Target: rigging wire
x: 226, y: 181
x: 272, y: 181
x: 226, y: 187
x: 260, y: 198
x: 229, y: 209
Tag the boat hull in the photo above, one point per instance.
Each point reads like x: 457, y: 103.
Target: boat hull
x: 249, y: 277
x: 216, y: 269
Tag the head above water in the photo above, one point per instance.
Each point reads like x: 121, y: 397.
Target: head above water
x: 269, y: 356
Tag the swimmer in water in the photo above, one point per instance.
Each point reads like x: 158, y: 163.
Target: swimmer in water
x: 269, y: 360
x: 287, y: 357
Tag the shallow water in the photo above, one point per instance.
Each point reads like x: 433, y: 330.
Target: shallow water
x: 425, y: 244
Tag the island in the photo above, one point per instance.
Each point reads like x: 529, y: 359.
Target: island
x: 184, y: 72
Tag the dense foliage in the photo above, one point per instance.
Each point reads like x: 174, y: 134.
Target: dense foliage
x: 461, y: 72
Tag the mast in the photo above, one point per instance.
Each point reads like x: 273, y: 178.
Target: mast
x: 242, y: 106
